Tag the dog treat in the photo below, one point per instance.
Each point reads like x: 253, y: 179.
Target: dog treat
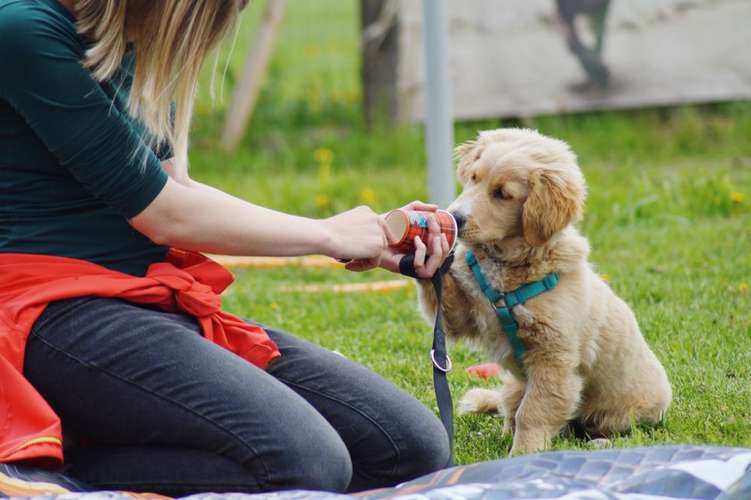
x: 406, y: 224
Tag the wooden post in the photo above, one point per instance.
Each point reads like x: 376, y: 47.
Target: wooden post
x: 379, y: 49
x: 246, y: 92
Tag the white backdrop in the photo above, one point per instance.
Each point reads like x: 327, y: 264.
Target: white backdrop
x: 511, y: 58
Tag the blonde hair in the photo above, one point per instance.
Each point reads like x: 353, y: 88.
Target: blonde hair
x: 171, y: 39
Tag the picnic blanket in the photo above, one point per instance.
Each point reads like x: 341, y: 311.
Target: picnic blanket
x: 662, y: 472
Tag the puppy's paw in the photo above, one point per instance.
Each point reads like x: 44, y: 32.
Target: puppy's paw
x: 480, y: 401
x: 508, y: 426
x: 528, y: 443
x: 600, y: 443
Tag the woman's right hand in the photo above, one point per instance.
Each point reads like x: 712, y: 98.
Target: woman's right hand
x: 359, y: 234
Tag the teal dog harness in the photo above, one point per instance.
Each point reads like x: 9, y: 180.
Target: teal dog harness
x: 503, y: 302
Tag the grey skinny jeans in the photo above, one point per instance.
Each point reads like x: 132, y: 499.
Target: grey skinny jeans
x: 164, y: 410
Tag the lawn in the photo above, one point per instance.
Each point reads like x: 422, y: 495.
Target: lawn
x: 668, y: 216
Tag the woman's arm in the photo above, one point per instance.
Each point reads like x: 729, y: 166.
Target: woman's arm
x: 197, y: 217
x: 428, y: 257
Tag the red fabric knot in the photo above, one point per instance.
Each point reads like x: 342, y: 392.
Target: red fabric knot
x: 190, y: 295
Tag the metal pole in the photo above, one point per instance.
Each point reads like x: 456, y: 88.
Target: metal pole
x: 439, y: 125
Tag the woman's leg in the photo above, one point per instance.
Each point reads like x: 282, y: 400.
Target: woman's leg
x: 391, y: 436
x: 126, y: 376
x: 169, y: 470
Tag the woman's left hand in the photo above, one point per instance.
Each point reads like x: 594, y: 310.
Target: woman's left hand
x: 429, y: 255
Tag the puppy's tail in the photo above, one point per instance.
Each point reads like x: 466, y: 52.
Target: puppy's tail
x: 480, y: 401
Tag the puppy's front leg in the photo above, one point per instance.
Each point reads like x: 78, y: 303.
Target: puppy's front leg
x: 550, y: 400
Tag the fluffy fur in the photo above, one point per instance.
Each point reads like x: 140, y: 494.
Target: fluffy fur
x: 586, y: 358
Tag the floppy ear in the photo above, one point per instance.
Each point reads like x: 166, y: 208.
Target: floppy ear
x: 554, y: 202
x: 465, y: 155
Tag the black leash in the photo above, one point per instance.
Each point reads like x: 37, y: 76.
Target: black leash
x: 438, y: 355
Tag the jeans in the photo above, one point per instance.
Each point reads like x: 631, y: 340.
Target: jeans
x: 150, y: 405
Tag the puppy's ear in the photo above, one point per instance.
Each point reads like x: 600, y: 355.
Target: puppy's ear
x: 555, y: 200
x: 465, y: 155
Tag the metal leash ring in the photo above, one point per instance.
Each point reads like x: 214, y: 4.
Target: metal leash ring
x: 449, y: 364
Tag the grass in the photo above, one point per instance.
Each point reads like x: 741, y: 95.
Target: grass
x: 668, y: 217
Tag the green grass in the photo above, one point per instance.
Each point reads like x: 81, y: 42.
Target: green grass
x: 668, y: 217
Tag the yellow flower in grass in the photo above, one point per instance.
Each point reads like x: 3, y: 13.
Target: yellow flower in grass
x: 743, y: 287
x: 323, y: 156
x: 274, y: 306
x: 367, y: 196
x: 322, y: 201
x: 737, y: 196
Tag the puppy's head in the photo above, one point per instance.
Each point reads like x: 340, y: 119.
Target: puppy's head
x: 517, y: 182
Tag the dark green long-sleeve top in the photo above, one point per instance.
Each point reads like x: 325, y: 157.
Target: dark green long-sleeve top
x: 72, y: 162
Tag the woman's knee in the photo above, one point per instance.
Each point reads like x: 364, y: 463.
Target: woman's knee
x: 424, y: 445
x: 313, y: 460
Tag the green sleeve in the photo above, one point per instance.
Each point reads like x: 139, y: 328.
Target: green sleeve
x: 44, y: 81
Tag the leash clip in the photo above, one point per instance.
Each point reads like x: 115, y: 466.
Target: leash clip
x: 449, y: 364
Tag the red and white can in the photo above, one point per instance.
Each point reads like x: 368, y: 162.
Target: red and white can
x: 406, y: 224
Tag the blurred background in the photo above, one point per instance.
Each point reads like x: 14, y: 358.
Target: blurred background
x: 652, y: 96
x: 309, y: 125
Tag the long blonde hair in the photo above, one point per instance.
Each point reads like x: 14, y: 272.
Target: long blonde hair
x: 171, y: 38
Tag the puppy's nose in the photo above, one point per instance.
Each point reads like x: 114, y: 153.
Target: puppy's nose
x: 460, y: 220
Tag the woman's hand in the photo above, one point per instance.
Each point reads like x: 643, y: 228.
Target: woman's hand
x: 429, y: 255
x: 358, y: 235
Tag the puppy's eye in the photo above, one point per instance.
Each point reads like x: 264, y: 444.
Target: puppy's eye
x: 474, y: 177
x: 501, y: 194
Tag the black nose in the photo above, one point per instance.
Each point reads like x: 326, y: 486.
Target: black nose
x: 460, y: 220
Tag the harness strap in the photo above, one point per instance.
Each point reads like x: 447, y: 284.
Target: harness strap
x: 438, y: 355
x: 503, y: 302
x: 491, y: 293
x: 531, y: 290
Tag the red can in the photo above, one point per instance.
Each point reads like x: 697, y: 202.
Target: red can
x: 406, y: 224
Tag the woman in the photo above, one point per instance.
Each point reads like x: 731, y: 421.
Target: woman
x: 96, y: 98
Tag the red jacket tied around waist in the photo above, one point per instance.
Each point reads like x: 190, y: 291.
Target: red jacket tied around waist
x: 188, y: 282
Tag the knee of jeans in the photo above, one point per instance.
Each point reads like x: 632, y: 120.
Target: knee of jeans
x: 322, y: 463
x: 424, y: 450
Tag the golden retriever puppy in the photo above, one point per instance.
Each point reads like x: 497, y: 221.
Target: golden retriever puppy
x: 584, y: 356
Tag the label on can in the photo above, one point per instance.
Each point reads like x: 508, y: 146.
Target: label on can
x: 406, y: 225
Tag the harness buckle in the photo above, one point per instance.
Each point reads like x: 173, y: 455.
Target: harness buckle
x: 449, y: 364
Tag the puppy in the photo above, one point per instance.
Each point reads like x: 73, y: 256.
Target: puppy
x: 585, y: 358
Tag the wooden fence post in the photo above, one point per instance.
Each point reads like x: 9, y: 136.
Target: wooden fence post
x: 246, y: 92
